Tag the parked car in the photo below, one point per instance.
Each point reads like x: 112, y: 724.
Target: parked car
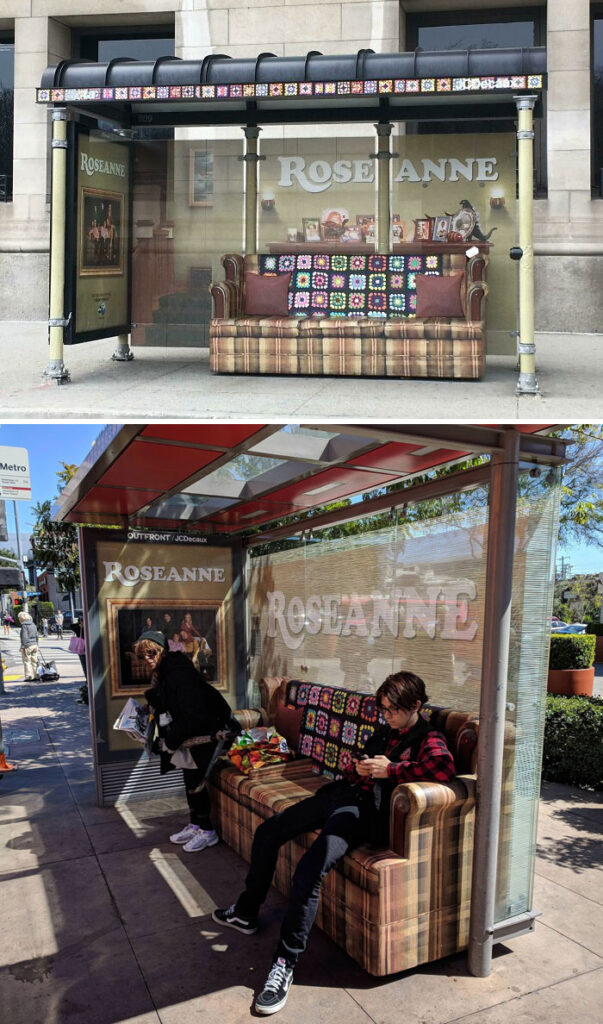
x: 558, y: 626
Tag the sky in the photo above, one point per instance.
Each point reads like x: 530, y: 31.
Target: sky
x: 50, y: 444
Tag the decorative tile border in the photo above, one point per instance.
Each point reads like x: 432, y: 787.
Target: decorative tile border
x: 293, y: 90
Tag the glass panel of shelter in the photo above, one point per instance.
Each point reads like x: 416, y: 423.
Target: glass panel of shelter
x: 317, y: 193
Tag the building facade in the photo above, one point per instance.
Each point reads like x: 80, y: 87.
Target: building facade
x: 569, y: 150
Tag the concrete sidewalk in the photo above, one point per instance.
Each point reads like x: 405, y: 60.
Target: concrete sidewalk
x: 176, y: 383
x: 105, y: 921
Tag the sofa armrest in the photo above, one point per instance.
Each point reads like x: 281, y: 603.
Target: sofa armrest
x: 417, y: 807
x: 476, y: 301
x: 234, y: 266
x: 223, y: 299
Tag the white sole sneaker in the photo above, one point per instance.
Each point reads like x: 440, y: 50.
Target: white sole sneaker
x: 201, y: 842
x: 184, y: 836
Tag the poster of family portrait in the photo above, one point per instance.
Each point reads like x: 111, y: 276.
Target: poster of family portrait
x: 194, y: 628
x: 102, y: 237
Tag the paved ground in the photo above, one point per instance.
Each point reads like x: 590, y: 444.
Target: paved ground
x: 105, y: 922
x: 177, y: 384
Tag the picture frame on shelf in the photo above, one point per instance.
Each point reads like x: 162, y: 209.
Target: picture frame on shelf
x: 441, y: 228
x: 352, y: 233
x: 423, y: 229
x: 311, y: 229
x: 366, y: 222
x: 398, y: 229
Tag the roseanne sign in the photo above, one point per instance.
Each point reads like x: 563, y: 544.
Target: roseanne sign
x: 436, y: 611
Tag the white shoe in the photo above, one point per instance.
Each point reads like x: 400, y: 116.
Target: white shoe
x: 201, y: 840
x: 185, y: 834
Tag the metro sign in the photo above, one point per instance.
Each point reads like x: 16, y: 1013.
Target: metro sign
x: 15, y: 482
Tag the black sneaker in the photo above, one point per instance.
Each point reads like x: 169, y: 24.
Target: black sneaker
x: 234, y: 920
x: 274, y: 994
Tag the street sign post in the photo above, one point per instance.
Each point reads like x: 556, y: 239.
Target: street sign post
x: 15, y: 481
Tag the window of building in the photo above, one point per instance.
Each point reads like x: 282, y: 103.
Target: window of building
x: 469, y: 30
x: 144, y: 44
x: 7, y: 55
x: 597, y: 100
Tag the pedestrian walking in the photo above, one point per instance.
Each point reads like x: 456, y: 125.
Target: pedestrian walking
x: 29, y: 646
x: 45, y: 627
x: 7, y: 622
x: 59, y: 624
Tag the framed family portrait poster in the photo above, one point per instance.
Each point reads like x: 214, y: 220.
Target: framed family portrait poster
x: 201, y: 177
x: 195, y: 628
x: 102, y: 237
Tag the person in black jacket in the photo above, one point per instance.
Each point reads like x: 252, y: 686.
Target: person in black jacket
x: 185, y: 706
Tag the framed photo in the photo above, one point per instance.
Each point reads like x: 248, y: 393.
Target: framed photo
x: 352, y: 233
x: 366, y: 222
x: 311, y: 229
x: 423, y: 229
x: 398, y: 229
x: 102, y: 238
x: 196, y: 628
x: 441, y: 228
x: 201, y: 178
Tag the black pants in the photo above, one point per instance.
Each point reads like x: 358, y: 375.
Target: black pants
x: 197, y: 795
x: 344, y: 816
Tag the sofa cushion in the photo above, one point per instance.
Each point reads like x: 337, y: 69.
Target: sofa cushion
x: 287, y: 722
x: 439, y: 295
x: 267, y: 295
x: 342, y: 327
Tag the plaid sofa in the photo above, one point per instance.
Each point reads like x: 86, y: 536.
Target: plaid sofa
x: 390, y: 909
x: 327, y: 333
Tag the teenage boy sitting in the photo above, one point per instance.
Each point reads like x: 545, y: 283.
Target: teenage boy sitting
x: 350, y: 812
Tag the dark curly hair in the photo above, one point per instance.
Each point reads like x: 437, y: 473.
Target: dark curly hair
x: 402, y: 690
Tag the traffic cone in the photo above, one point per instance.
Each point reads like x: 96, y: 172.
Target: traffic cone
x: 5, y: 766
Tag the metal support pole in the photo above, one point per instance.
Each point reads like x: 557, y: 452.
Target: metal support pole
x: 495, y: 664
x: 251, y: 158
x: 527, y: 383
x: 55, y: 369
x: 383, y: 241
x: 123, y: 353
x: 20, y: 554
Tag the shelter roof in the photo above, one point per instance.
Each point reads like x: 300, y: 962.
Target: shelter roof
x: 231, y: 478
x: 267, y: 88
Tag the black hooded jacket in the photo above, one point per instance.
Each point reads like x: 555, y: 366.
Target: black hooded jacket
x: 195, y: 707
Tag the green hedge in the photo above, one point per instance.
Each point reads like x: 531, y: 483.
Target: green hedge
x: 573, y: 741
x: 572, y: 650
x: 45, y: 610
x: 595, y: 628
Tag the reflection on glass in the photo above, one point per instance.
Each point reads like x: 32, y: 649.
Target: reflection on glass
x: 532, y: 601
x: 486, y: 36
x: 7, y: 51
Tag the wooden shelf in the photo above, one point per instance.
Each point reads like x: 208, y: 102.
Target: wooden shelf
x: 361, y: 248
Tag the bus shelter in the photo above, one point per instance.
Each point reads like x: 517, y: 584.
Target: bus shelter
x: 449, y: 572
x: 160, y: 168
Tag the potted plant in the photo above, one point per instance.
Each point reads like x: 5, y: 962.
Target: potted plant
x: 597, y: 629
x: 571, y: 664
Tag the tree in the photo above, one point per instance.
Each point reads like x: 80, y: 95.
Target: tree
x: 581, y: 516
x: 55, y: 545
